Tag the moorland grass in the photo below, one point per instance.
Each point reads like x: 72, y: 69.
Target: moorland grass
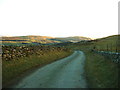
x: 110, y: 43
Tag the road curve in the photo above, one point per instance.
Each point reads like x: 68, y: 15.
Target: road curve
x: 64, y: 73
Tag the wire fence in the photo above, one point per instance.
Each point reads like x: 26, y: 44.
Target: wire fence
x: 108, y: 47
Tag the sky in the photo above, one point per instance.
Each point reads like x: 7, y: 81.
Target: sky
x: 59, y: 18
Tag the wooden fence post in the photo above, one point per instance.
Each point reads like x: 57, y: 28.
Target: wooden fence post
x: 107, y: 47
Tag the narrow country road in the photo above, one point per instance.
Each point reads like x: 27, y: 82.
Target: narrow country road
x: 64, y: 73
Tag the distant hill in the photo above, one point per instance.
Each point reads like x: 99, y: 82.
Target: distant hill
x: 26, y: 37
x: 72, y: 39
x: 112, y: 43
x: 41, y: 39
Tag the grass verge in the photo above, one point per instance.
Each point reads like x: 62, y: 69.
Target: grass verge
x: 100, y: 71
x: 14, y: 68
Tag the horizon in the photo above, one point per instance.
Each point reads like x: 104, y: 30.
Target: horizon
x: 60, y: 37
x: 48, y: 18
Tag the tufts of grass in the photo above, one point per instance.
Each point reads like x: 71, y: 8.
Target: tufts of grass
x: 14, y: 68
x: 100, y: 71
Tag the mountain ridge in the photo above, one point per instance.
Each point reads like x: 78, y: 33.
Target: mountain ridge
x: 41, y: 39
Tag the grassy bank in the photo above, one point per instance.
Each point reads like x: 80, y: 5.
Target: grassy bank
x: 110, y: 43
x: 100, y: 71
x: 14, y: 68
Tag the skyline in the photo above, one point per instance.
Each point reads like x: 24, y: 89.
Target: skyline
x: 60, y: 37
x: 61, y: 18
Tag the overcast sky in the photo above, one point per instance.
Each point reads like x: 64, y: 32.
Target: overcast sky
x: 59, y: 18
